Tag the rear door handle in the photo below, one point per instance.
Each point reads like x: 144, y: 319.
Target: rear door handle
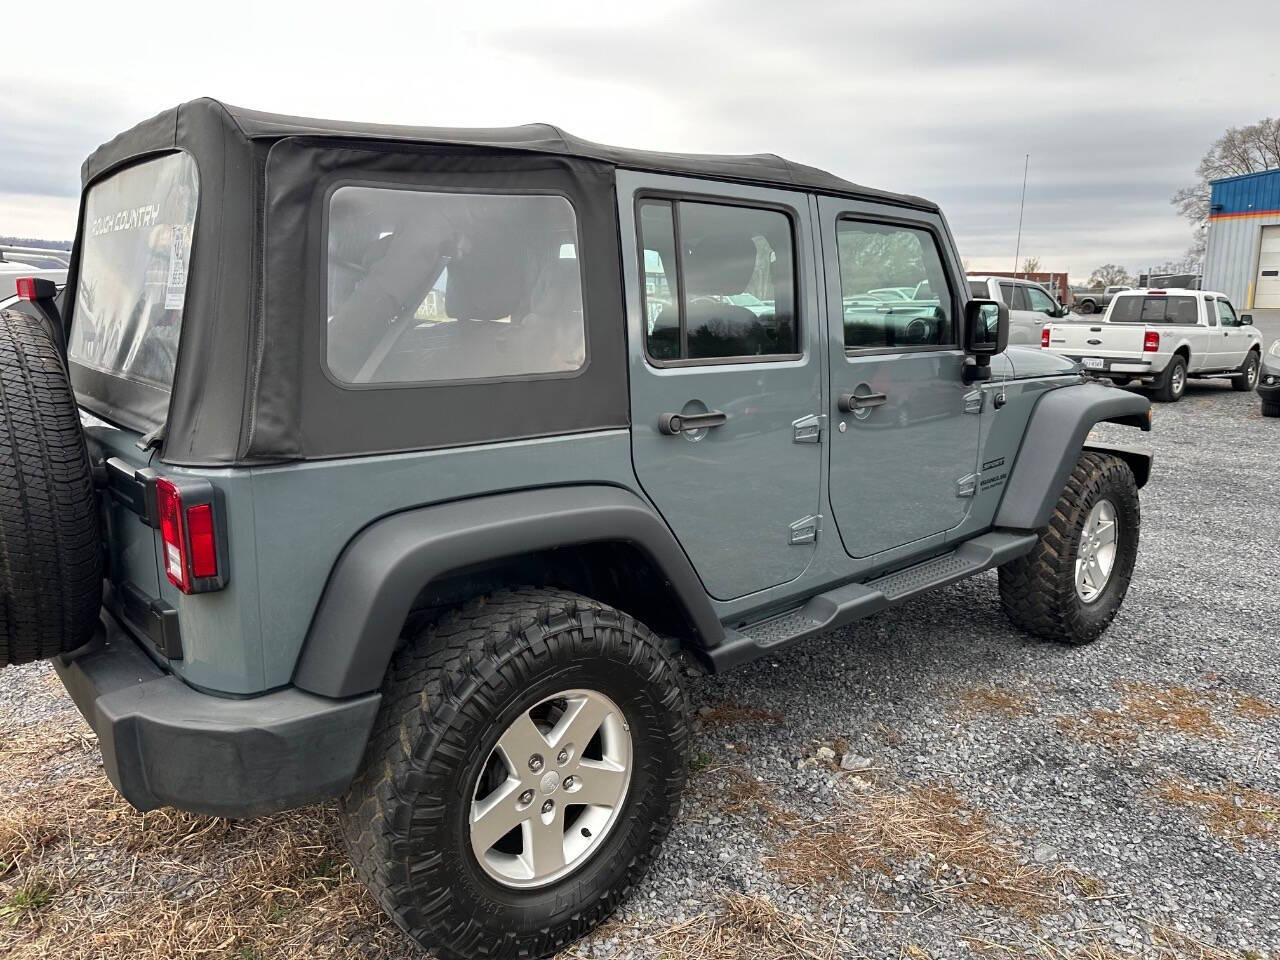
x: 850, y: 402
x: 674, y: 423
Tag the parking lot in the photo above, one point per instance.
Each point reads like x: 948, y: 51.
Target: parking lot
x: 928, y: 783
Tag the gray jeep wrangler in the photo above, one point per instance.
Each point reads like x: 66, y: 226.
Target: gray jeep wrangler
x: 405, y: 467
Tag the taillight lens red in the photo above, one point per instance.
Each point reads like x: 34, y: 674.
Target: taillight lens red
x: 26, y: 288
x: 1151, y: 342
x: 169, y: 507
x: 1044, y: 337
x: 204, y: 551
x: 189, y: 537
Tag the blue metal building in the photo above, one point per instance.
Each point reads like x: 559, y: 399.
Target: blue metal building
x: 1243, y: 256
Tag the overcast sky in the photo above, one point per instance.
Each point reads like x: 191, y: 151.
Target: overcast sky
x: 1115, y: 101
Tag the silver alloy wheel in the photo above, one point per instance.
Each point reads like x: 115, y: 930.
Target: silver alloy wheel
x: 1251, y: 372
x: 1178, y: 380
x: 551, y: 790
x: 1096, y: 554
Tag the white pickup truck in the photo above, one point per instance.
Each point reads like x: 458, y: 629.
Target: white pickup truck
x: 1162, y: 337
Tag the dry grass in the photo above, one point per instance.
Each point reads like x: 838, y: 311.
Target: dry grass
x: 1146, y: 708
x: 1233, y: 812
x: 1166, y: 944
x: 969, y: 859
x: 744, y: 927
x: 728, y: 714
x: 83, y: 876
x: 976, y: 700
x: 1255, y: 708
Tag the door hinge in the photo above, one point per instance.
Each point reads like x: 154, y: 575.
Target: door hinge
x: 809, y: 429
x: 973, y: 401
x: 967, y: 486
x: 806, y: 530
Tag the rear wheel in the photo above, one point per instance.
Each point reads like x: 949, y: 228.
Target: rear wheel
x: 1271, y: 408
x: 1071, y: 585
x: 1173, y: 382
x: 1246, y: 378
x: 1087, y: 306
x: 526, y: 765
x: 50, y: 544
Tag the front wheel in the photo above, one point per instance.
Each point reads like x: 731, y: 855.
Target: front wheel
x: 1070, y: 586
x: 527, y: 763
x: 1271, y: 408
x: 1246, y: 378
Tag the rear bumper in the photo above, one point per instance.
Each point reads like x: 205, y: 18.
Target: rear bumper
x: 1110, y: 367
x: 164, y: 743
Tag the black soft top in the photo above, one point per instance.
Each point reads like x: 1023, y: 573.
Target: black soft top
x: 758, y: 168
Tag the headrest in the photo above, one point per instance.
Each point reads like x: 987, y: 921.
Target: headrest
x: 489, y: 280
x: 719, y: 265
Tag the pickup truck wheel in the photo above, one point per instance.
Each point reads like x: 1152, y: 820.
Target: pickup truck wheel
x: 1071, y: 585
x: 1087, y: 306
x: 1173, y: 382
x: 1247, y: 377
x: 526, y: 765
x: 50, y: 544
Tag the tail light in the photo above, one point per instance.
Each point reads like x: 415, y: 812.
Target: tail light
x: 192, y: 535
x: 1044, y: 337
x: 1151, y: 342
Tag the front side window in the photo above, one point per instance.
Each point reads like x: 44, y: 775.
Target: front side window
x: 719, y: 281
x: 434, y: 286
x: 1227, y: 315
x: 879, y: 255
x: 134, y: 258
x: 1041, y: 302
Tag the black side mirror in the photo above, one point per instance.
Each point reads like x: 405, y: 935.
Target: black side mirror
x: 1246, y: 319
x: 986, y: 333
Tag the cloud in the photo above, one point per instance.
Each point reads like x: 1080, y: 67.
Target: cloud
x: 1114, y: 105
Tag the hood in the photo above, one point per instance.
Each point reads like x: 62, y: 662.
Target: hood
x: 1031, y: 362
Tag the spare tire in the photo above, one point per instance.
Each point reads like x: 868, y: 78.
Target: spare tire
x: 50, y: 542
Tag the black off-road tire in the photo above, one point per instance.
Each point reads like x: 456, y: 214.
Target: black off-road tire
x: 1270, y: 409
x: 1243, y: 382
x: 450, y: 694
x: 1087, y: 307
x: 1166, y: 390
x: 50, y: 544
x: 1038, y: 591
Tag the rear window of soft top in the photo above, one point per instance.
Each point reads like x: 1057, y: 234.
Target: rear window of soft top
x: 134, y: 257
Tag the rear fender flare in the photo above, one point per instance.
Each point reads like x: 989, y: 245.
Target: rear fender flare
x: 384, y: 568
x: 1056, y: 434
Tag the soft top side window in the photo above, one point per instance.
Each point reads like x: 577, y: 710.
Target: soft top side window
x: 719, y: 281
x: 430, y: 286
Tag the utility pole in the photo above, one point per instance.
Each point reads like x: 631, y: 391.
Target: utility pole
x: 1018, y: 249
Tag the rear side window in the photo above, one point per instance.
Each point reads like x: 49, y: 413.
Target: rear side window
x: 978, y: 288
x: 1157, y: 309
x: 876, y: 255
x: 719, y: 281
x: 433, y: 286
x: 134, y: 257
x: 1015, y: 296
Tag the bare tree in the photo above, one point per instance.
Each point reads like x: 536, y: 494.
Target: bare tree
x: 1110, y: 275
x: 1031, y: 265
x: 1248, y: 149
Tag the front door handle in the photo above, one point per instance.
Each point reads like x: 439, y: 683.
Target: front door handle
x: 849, y: 402
x: 675, y: 423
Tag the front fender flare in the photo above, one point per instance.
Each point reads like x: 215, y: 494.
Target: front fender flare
x: 1056, y: 433
x: 385, y: 566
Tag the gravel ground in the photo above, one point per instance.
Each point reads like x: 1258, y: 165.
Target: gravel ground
x: 932, y: 783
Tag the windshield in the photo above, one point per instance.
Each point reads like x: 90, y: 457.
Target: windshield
x: 134, y: 256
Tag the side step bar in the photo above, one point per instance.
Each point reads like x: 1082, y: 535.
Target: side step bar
x: 843, y: 605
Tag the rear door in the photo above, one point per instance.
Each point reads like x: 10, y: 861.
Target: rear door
x: 726, y: 373
x: 904, y: 447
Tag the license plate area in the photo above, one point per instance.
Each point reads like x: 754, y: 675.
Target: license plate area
x: 1093, y: 363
